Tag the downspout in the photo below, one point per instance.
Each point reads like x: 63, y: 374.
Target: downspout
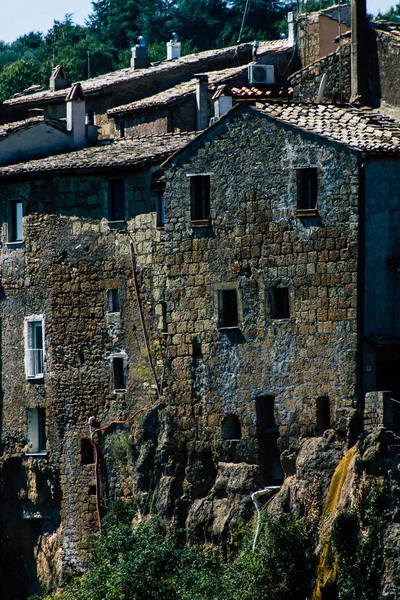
x: 362, y: 163
x: 146, y: 340
x: 359, y: 57
x: 254, y: 497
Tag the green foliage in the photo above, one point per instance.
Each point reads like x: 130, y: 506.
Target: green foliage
x: 142, y: 562
x: 357, y: 541
x: 113, y: 27
x: 393, y: 14
x: 16, y: 77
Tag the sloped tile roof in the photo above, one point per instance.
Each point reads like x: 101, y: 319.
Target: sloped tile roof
x: 103, y: 83
x: 176, y: 93
x: 14, y: 126
x: 361, y: 129
x: 113, y: 155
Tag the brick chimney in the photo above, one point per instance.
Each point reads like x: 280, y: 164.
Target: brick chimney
x: 201, y: 101
x: 76, y: 115
x: 359, y: 52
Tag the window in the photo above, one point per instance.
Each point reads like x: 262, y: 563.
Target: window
x: 36, y: 429
x: 280, y: 303
x: 118, y: 373
x: 160, y: 210
x: 228, y: 309
x: 122, y: 129
x: 34, y: 347
x: 307, y: 189
x: 230, y: 429
x: 164, y: 324
x: 87, y: 454
x: 113, y: 305
x: 15, y: 222
x: 200, y: 197
x: 116, y: 200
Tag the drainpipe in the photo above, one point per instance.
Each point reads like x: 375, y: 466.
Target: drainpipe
x: 254, y: 497
x: 359, y: 54
x: 201, y: 101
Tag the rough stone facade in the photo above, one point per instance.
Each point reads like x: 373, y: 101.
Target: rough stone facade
x: 235, y: 399
x: 62, y: 270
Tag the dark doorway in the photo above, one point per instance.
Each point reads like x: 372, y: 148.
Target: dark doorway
x: 323, y: 415
x: 267, y: 436
x: 387, y: 377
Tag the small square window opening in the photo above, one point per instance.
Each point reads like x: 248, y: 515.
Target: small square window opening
x: 280, y: 303
x: 200, y: 197
x: 228, y: 309
x: 307, y: 188
x: 113, y: 304
x: 116, y: 200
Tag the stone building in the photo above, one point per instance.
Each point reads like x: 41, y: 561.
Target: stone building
x: 132, y: 84
x: 73, y: 346
x: 242, y: 293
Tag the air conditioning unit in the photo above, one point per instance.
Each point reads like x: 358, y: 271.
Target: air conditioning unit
x: 261, y: 74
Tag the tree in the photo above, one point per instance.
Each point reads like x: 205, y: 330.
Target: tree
x: 16, y: 77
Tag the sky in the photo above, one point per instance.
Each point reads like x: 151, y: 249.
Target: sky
x: 18, y: 17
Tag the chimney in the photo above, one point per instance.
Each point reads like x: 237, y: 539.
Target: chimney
x: 359, y: 54
x: 201, y: 101
x: 173, y: 48
x: 58, y: 80
x: 290, y: 21
x: 222, y: 101
x: 140, y: 55
x: 76, y: 115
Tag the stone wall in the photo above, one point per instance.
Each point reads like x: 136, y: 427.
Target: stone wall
x: 68, y: 260
x: 254, y: 244
x: 205, y: 445
x: 336, y: 66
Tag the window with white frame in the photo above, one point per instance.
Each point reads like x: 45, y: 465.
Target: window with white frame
x: 36, y: 430
x: 34, y: 347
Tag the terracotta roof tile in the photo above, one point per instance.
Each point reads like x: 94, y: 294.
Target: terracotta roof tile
x: 361, y: 129
x: 176, y: 93
x: 116, y: 154
x: 104, y: 82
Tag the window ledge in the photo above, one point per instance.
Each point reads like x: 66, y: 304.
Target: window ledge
x: 120, y: 391
x: 41, y: 453
x: 201, y: 223
x: 307, y: 212
x: 116, y: 224
x: 35, y: 377
x: 16, y: 244
x: 232, y: 328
